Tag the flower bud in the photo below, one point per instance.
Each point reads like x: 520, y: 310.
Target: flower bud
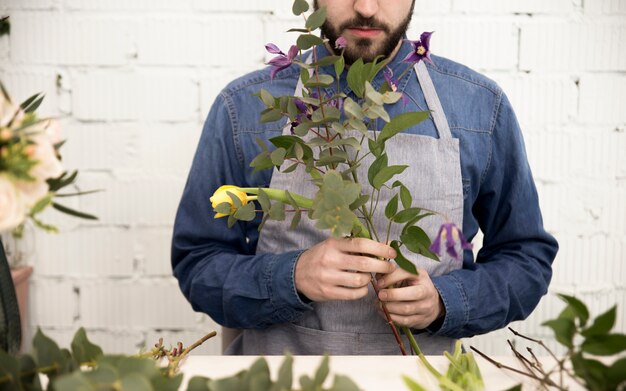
x: 221, y: 195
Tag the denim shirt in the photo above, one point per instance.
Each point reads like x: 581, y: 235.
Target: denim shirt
x: 220, y: 274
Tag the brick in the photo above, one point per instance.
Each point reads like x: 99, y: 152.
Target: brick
x: 212, y: 346
x: 495, y: 50
x: 232, y: 41
x: 100, y: 146
x: 114, y: 341
x: 52, y: 303
x: 11, y: 5
x: 153, y: 251
x: 51, y: 38
x: 541, y: 146
x: 278, y: 6
x: 586, y: 46
x: 135, y: 305
x: 21, y: 84
x: 601, y: 98
x: 591, y: 260
x: 541, y: 99
x: 4, y: 49
x: 132, y: 200
x: 431, y: 7
x: 167, y: 148
x: 61, y: 335
x: 605, y: 7
x: 149, y: 95
x: 514, y: 6
x: 170, y: 40
x: 140, y: 6
x: 95, y: 252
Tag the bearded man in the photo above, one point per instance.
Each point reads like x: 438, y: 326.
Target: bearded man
x: 300, y: 291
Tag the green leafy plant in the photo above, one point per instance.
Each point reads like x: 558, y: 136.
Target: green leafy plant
x: 85, y: 367
x: 329, y: 133
x: 584, y: 338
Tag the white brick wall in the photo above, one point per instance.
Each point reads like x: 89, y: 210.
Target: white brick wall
x: 132, y: 82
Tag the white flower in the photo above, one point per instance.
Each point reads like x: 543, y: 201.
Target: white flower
x: 31, y: 191
x: 48, y: 165
x: 12, y: 209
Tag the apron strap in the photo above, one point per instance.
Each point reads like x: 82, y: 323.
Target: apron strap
x: 432, y: 100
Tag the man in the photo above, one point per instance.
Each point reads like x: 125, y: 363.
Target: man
x: 301, y: 292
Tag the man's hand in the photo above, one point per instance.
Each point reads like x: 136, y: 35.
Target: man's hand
x: 335, y: 270
x: 415, y: 303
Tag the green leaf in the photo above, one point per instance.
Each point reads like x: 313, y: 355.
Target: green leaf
x: 104, y: 374
x: 135, y: 382
x: 593, y: 372
x: 267, y: 98
x: 375, y: 148
x: 413, y: 386
x: 392, y: 207
x: 602, y: 324
x: 277, y: 211
x: 401, y: 260
x: 400, y: 123
x: 290, y: 168
x: 307, y: 41
x: 339, y: 66
x: 344, y: 383
x: 580, y: 309
x: 362, y: 200
x: 198, y: 383
x: 83, y: 349
x: 321, y: 80
x: 326, y: 61
x: 405, y: 196
x: 288, y: 142
x: 386, y: 174
x: 406, y: 215
x: 128, y: 365
x: 316, y: 19
x: 352, y: 108
x: 31, y: 104
x: 376, y: 166
x: 373, y: 96
x: 41, y: 204
x: 223, y: 208
x: 322, y: 371
x: 246, y: 212
x: 271, y: 115
x: 355, y: 78
x: 73, y: 212
x: 415, y: 239
x: 278, y: 156
x: 374, y: 111
x: 616, y: 373
x: 47, y: 354
x: 10, y: 369
x: 604, y: 345
x: 299, y: 6
x: 517, y: 387
x: 564, y: 330
x: 162, y: 383
x: 56, y: 184
x: 357, y: 124
x: 74, y: 381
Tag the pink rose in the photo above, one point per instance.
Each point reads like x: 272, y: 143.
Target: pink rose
x: 12, y: 209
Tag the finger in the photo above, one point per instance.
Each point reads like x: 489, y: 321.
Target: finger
x: 367, y: 246
x: 408, y: 308
x: 349, y: 279
x: 395, y: 277
x: 367, y: 264
x: 409, y: 293
x: 341, y: 293
x: 414, y: 321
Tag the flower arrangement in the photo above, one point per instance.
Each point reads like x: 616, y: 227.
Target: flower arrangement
x: 31, y: 173
x: 330, y: 136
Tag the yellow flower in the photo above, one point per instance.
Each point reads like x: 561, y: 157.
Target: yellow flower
x: 221, y: 195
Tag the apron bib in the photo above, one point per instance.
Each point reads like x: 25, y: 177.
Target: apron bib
x: 355, y: 327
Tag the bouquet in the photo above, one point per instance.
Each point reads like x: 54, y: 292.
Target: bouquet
x: 327, y: 139
x: 31, y: 173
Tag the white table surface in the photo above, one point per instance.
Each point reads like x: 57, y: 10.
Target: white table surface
x: 380, y: 373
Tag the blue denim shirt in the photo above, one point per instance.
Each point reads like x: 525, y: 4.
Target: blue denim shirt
x: 220, y: 274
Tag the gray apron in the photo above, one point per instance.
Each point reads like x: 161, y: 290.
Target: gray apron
x: 355, y: 327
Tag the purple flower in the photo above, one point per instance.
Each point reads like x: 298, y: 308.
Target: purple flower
x: 304, y: 112
x: 450, y: 234
x: 281, y: 61
x: 393, y: 83
x: 341, y: 43
x: 421, y: 49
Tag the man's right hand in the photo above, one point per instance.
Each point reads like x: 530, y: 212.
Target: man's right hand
x: 335, y: 269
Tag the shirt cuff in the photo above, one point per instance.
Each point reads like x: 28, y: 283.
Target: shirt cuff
x: 456, y: 303
x: 282, y: 287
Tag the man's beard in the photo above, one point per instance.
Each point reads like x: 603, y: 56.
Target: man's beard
x: 364, y: 47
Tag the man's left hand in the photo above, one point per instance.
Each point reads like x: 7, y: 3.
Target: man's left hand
x: 415, y: 302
